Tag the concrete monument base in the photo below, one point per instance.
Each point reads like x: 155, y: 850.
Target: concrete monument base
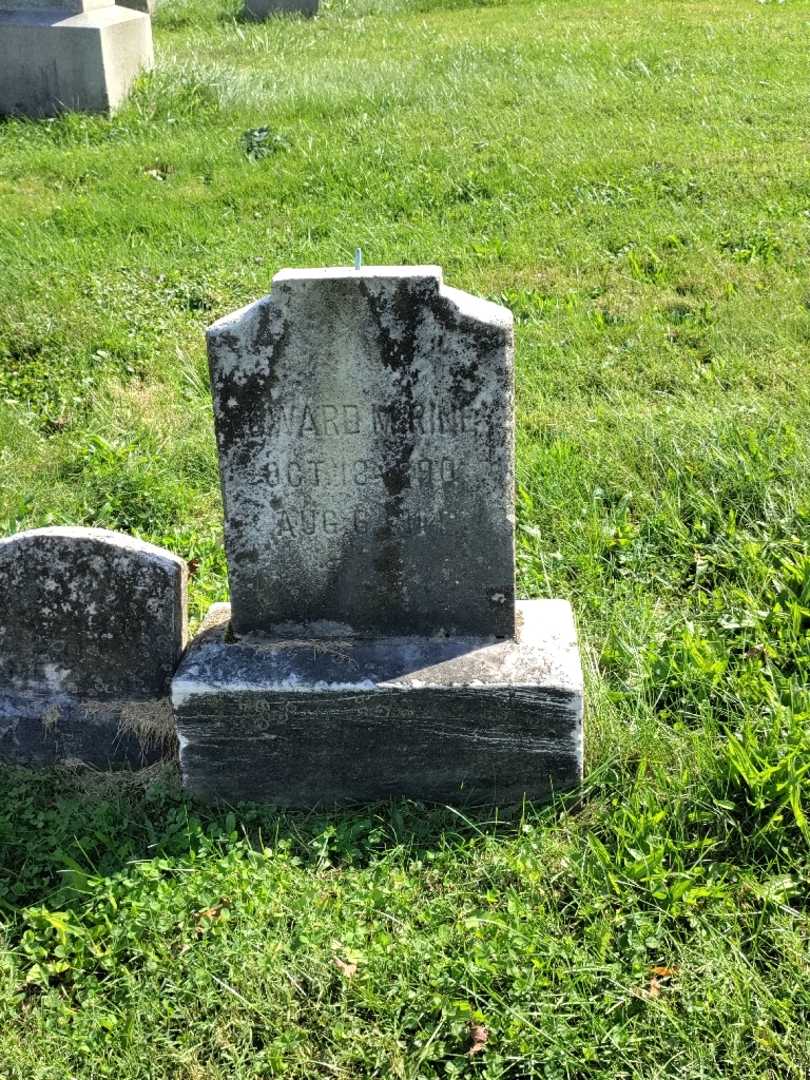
x: 53, y: 61
x: 336, y: 722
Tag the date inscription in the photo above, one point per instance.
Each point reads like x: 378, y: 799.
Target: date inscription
x: 321, y: 473
x: 363, y: 521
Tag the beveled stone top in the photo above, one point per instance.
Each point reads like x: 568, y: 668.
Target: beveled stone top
x: 365, y: 428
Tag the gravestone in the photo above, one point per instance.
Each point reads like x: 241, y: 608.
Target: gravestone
x: 365, y: 430
x: 92, y: 625
x: 60, y: 55
x: 373, y: 646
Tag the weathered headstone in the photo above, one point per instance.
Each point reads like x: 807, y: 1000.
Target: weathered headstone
x: 374, y: 646
x: 365, y: 430
x: 92, y: 626
x: 58, y: 55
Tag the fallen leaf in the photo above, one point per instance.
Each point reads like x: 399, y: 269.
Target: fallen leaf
x: 346, y: 970
x: 478, y: 1039
x: 659, y: 974
x: 211, y: 914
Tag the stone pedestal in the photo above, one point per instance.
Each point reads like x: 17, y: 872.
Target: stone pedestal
x: 374, y: 646
x: 74, y: 55
x: 305, y: 723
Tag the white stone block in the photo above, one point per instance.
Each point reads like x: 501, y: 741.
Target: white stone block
x: 77, y: 55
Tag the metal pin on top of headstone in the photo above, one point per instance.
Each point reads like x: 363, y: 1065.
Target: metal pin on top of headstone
x: 358, y: 258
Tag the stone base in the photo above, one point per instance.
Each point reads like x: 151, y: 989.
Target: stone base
x: 304, y: 723
x: 52, y: 63
x: 264, y: 9
x: 39, y: 729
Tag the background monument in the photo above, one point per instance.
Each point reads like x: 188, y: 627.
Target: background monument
x: 264, y: 9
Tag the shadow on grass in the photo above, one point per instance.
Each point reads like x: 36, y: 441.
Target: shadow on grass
x: 62, y: 828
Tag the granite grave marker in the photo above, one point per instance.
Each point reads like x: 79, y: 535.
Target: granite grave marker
x: 374, y: 645
x: 92, y: 625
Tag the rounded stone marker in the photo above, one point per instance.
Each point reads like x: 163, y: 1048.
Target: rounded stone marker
x: 92, y: 626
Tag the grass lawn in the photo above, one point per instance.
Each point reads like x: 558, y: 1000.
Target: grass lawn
x: 633, y: 180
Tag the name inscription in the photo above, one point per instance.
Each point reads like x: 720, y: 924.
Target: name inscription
x: 317, y: 420
x: 299, y: 481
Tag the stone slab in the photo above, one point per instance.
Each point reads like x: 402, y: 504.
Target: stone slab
x: 265, y: 9
x: 92, y: 626
x: 40, y: 729
x: 304, y: 723
x: 52, y: 61
x: 366, y: 442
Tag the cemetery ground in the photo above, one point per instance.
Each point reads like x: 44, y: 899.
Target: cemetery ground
x: 632, y: 181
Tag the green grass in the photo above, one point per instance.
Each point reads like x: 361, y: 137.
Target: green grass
x: 632, y: 179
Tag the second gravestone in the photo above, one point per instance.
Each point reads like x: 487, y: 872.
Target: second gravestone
x: 374, y: 646
x: 92, y: 625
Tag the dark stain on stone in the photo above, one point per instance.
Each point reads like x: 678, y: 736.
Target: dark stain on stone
x: 250, y: 392
x: 265, y: 339
x: 398, y: 355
